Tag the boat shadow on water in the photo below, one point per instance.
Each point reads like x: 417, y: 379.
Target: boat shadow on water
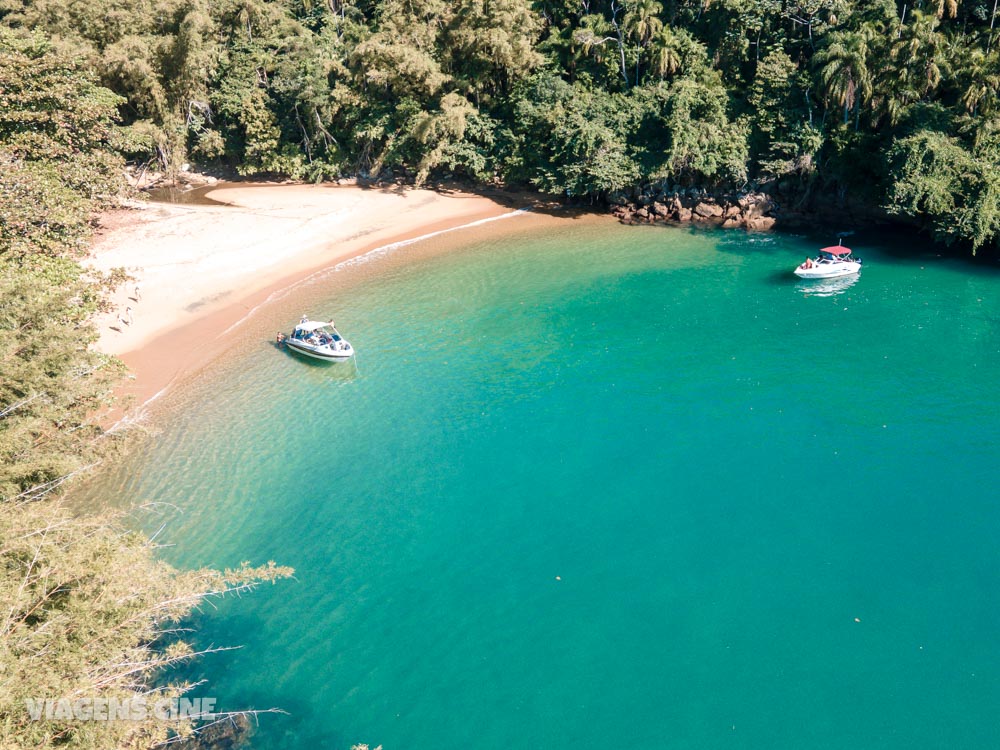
x: 813, y: 287
x: 331, y: 370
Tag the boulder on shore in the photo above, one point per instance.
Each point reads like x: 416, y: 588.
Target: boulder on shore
x: 708, y: 210
x: 760, y: 223
x: 748, y: 210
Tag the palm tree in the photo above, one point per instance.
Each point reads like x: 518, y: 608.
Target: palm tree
x: 949, y: 7
x: 642, y: 22
x: 895, y: 95
x: 981, y: 83
x: 595, y: 31
x: 667, y: 49
x: 844, y: 71
x: 919, y: 54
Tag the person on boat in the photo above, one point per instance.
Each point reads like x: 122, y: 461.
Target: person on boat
x: 808, y: 263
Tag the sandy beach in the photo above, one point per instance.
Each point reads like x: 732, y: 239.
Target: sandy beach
x: 199, y: 269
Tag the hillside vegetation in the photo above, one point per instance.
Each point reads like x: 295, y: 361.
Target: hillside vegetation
x: 893, y: 103
x: 86, y: 609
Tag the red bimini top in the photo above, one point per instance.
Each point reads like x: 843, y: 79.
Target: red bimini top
x: 837, y: 250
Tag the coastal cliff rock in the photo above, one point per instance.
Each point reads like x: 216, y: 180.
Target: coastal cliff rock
x: 748, y: 210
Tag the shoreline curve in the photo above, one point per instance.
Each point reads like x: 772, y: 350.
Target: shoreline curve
x: 201, y: 272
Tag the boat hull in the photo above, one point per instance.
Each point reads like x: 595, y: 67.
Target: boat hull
x: 830, y: 271
x: 323, y: 356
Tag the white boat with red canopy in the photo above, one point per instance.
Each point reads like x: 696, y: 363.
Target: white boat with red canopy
x: 831, y: 262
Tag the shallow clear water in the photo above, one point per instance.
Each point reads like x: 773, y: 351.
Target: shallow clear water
x: 607, y: 486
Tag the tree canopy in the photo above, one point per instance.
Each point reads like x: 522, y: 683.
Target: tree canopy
x: 699, y: 93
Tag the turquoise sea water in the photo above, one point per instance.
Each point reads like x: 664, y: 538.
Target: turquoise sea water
x: 605, y: 486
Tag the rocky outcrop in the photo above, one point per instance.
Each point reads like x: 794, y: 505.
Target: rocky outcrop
x: 760, y: 223
x: 709, y: 210
x: 749, y: 210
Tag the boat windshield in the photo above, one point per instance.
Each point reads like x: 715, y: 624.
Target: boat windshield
x: 317, y: 336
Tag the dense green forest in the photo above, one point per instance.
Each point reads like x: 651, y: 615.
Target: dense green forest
x: 893, y: 104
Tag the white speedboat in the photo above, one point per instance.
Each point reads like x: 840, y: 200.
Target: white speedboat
x: 318, y: 340
x: 830, y: 263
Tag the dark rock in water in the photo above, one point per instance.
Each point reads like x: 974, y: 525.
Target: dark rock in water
x: 230, y: 734
x: 796, y: 219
